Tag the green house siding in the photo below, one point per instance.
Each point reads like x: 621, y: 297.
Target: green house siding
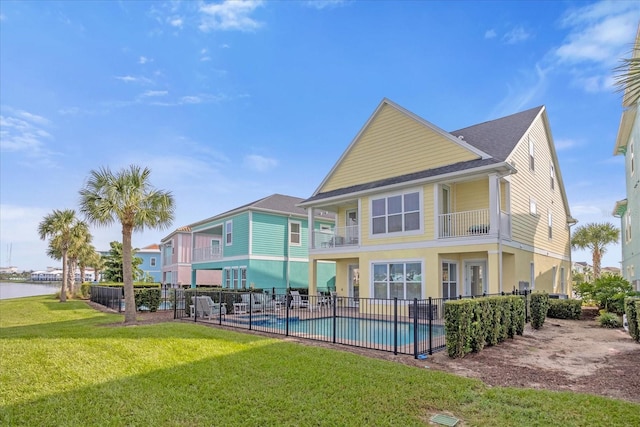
x: 269, y: 234
x: 240, y: 236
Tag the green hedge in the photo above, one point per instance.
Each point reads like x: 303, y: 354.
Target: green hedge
x: 470, y: 324
x: 565, y: 309
x: 147, y: 297
x: 539, y: 308
x: 632, y: 310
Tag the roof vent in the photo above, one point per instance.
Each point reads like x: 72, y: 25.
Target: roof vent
x: 461, y: 137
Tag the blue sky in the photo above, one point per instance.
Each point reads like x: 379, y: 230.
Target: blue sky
x: 228, y: 102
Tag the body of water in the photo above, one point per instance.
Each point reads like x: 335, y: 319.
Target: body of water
x: 20, y: 289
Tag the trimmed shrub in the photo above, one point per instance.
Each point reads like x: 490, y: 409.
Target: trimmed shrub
x: 539, y: 307
x: 458, y: 315
x: 516, y: 309
x: 493, y: 321
x: 609, y: 320
x: 631, y: 306
x: 565, y: 309
x: 147, y: 297
x: 85, y: 289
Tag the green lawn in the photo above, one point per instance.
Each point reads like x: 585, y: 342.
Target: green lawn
x: 66, y: 364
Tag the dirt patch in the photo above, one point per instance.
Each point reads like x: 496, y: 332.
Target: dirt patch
x: 575, y: 355
x: 564, y: 355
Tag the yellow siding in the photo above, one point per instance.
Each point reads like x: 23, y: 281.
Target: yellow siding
x: 392, y: 145
x: 532, y: 229
x: 471, y: 195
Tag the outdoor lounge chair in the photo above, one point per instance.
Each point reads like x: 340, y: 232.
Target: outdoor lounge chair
x: 205, y: 307
x: 258, y: 302
x: 298, y: 301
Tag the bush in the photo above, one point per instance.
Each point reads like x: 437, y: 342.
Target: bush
x: 85, y: 289
x: 565, y: 309
x: 608, y: 292
x: 539, y: 308
x: 147, y: 297
x: 609, y: 320
x: 631, y: 306
x: 458, y: 315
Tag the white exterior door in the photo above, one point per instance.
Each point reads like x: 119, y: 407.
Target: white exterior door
x: 475, y: 277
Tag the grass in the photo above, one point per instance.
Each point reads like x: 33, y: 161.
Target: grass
x: 68, y: 365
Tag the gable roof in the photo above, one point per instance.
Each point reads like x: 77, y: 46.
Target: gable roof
x: 275, y: 203
x: 493, y: 141
x: 499, y: 137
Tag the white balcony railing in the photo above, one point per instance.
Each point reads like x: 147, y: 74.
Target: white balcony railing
x: 464, y: 224
x: 206, y: 254
x: 338, y: 237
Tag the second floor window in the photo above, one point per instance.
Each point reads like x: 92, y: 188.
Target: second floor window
x: 152, y: 262
x: 397, y: 213
x: 553, y: 173
x: 627, y: 226
x: 229, y: 232
x: 294, y: 233
x: 532, y: 144
x: 550, y: 224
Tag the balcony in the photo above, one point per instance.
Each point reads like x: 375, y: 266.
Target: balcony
x: 336, y: 238
x: 472, y: 223
x: 206, y: 254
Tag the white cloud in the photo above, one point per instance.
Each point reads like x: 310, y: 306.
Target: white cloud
x: 132, y: 79
x: 23, y: 132
x: 522, y: 93
x: 260, y: 163
x: 599, y: 32
x: 176, y: 21
x: 324, y: 4
x: 490, y: 34
x: 516, y: 35
x: 565, y: 144
x: 143, y: 60
x: 151, y: 93
x: 229, y: 15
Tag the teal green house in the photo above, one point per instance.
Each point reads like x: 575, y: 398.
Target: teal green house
x: 263, y: 244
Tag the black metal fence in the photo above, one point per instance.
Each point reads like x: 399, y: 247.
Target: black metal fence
x: 108, y: 296
x: 414, y: 327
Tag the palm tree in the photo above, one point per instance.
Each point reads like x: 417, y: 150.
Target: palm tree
x: 80, y: 237
x: 127, y: 197
x: 627, y: 78
x: 62, y: 228
x: 595, y: 237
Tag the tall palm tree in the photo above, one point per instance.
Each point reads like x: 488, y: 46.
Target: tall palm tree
x: 80, y: 237
x: 627, y: 76
x: 595, y: 237
x: 62, y: 227
x: 128, y: 198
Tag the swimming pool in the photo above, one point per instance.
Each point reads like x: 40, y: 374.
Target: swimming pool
x: 352, y: 329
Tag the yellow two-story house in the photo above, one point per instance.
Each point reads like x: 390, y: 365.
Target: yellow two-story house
x: 422, y: 212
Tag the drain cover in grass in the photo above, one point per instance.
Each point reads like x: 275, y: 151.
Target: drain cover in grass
x: 444, y: 420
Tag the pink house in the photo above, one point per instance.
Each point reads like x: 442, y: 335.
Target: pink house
x: 176, y: 261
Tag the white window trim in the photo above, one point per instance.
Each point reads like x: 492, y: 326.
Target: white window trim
x: 550, y: 224
x: 532, y: 273
x: 553, y: 179
x: 386, y: 196
x: 532, y: 154
x: 152, y: 261
x: 228, y: 233
x: 227, y: 277
x: 397, y: 261
x: 291, y: 242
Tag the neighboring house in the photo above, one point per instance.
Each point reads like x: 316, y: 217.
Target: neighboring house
x: 628, y: 210
x: 150, y: 266
x: 422, y: 212
x: 55, y: 275
x: 263, y: 244
x: 176, y: 261
x: 584, y: 269
x: 611, y: 271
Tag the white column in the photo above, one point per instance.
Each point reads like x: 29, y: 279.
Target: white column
x: 310, y: 228
x: 494, y: 203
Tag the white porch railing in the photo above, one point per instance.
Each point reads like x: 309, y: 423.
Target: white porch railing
x: 338, y: 237
x: 464, y: 224
x: 206, y: 254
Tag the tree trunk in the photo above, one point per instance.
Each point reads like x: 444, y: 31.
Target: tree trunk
x: 127, y: 276
x: 72, y: 276
x: 597, y: 259
x: 63, y: 287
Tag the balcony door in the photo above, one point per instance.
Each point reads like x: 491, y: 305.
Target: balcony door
x: 475, y: 280
x: 351, y: 226
x: 445, y: 210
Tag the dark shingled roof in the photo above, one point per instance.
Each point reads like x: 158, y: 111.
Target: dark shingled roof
x: 456, y: 167
x: 497, y: 138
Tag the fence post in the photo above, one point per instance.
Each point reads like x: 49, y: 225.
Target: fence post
x: 194, y: 300
x: 250, y: 309
x: 335, y: 317
x: 287, y: 300
x: 395, y: 325
x: 430, y: 326
x: 220, y: 307
x: 175, y: 304
x: 415, y: 328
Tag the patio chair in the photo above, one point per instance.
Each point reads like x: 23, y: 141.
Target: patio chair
x: 323, y: 300
x: 297, y: 301
x: 258, y: 302
x: 205, y: 307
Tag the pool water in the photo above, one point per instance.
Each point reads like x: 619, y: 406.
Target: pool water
x: 355, y: 329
